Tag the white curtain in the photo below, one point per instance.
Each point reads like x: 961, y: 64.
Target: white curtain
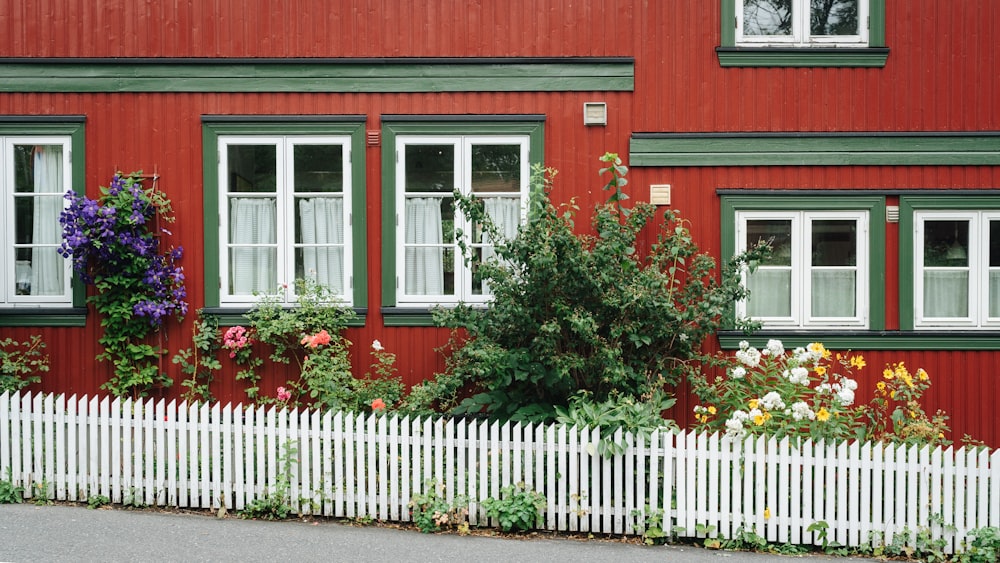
x: 994, y: 294
x: 770, y: 293
x: 946, y: 294
x: 322, y: 223
x: 252, y: 269
x: 506, y: 215
x: 424, y: 265
x: 47, y: 268
x: 833, y: 293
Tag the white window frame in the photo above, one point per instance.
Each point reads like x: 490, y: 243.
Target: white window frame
x: 8, y: 287
x: 979, y: 270
x: 801, y: 267
x: 285, y: 220
x: 462, y: 180
x: 800, y: 36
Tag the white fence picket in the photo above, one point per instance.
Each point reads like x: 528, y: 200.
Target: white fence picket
x: 371, y: 466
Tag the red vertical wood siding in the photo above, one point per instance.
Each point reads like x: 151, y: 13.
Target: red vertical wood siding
x: 941, y: 75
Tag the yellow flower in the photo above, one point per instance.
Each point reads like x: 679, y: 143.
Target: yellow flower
x: 858, y: 362
x: 887, y: 373
x: 913, y: 414
x: 767, y: 514
x: 823, y: 415
x: 941, y: 435
x: 759, y: 420
x: 752, y: 404
x: 820, y: 370
x: 892, y: 394
x: 922, y: 375
x: 711, y: 410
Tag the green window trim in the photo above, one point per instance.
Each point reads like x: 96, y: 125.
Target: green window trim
x: 730, y: 55
x: 233, y: 316
x: 908, y: 204
x: 73, y: 126
x: 821, y: 201
x: 215, y: 126
x: 394, y: 125
x: 968, y: 148
x: 347, y: 75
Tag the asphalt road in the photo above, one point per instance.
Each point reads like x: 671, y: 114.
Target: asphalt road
x: 75, y: 533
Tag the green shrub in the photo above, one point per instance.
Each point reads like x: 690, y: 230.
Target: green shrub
x: 21, y: 363
x: 583, y: 312
x: 517, y: 509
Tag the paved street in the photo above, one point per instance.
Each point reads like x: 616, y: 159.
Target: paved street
x: 74, y: 533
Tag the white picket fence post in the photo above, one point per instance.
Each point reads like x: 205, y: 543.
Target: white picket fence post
x: 349, y: 465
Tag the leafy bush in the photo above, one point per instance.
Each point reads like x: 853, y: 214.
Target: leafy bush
x: 431, y: 512
x: 641, y: 417
x: 114, y: 242
x: 983, y: 546
x: 9, y: 492
x: 21, y: 363
x: 517, y: 509
x: 200, y: 362
x: 583, y: 312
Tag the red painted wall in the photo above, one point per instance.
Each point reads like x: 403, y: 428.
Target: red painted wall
x: 940, y: 76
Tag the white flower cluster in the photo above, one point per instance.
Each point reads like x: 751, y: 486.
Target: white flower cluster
x: 774, y: 348
x: 748, y: 355
x: 844, y: 390
x: 801, y: 410
x: 738, y: 372
x: 772, y: 401
x: 798, y: 375
x: 734, y: 426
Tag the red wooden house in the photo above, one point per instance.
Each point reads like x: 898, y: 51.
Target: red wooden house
x: 865, y: 139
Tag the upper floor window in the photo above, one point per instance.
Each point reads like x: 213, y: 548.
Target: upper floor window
x: 430, y: 231
x: 36, y: 173
x: 285, y: 214
x: 956, y: 268
x: 817, y: 274
x: 802, y: 23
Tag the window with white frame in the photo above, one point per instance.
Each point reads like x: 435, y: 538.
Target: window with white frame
x: 957, y: 268
x: 35, y: 176
x: 802, y: 23
x: 430, y: 266
x: 285, y: 215
x: 817, y: 273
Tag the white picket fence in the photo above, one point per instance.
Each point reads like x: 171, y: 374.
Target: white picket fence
x: 204, y: 456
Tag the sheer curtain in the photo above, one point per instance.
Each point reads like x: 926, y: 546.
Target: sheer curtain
x: 946, y: 294
x: 506, y: 216
x: 252, y: 222
x: 322, y: 223
x: 770, y: 293
x: 424, y: 265
x: 833, y: 293
x: 47, y: 268
x: 994, y: 294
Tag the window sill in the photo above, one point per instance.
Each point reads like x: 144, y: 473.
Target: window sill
x: 47, y: 316
x: 869, y: 339
x: 850, y: 57
x: 407, y: 316
x: 233, y: 316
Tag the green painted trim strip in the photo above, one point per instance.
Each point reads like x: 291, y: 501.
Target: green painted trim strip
x: 871, y: 340
x: 236, y: 317
x: 322, y: 75
x: 75, y: 317
x: 418, y: 318
x: 815, y: 149
x: 874, y: 57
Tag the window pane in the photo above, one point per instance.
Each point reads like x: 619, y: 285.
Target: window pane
x: 770, y: 293
x: 778, y: 233
x: 430, y: 168
x: 38, y: 201
x: 834, y: 17
x: 496, y: 168
x: 252, y: 168
x: 767, y: 17
x: 946, y: 243
x: 253, y: 270
x: 430, y: 270
x: 319, y: 233
x: 319, y: 168
x: 833, y: 293
x: 946, y: 294
x: 994, y: 244
x: 834, y: 243
x: 994, y: 294
x: 253, y: 240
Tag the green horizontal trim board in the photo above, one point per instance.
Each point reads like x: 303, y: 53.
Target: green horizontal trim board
x: 415, y: 319
x: 804, y: 57
x: 72, y: 317
x: 875, y: 340
x: 814, y: 149
x: 248, y: 75
x: 230, y: 317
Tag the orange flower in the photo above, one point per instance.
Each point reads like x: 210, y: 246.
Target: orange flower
x: 321, y: 338
x: 378, y: 405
